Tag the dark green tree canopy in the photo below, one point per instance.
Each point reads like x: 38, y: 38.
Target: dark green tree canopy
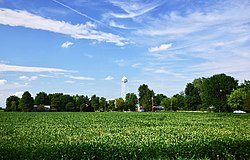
x: 26, y: 103
x: 158, y: 98
x: 146, y: 97
x: 192, y: 97
x: 42, y: 99
x: 131, y: 101
x: 12, y: 103
x: 95, y: 102
x: 216, y: 89
x: 103, y: 104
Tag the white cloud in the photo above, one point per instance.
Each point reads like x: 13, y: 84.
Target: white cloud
x: 66, y: 44
x: 108, y: 78
x: 121, y: 62
x: 81, y: 78
x: 162, y: 47
x: 46, y: 76
x: 70, y: 82
x: 33, y: 78
x: 114, y: 24
x: 3, y: 81
x: 132, y: 9
x: 79, y: 31
x: 23, y: 77
x: 14, y: 68
x: 18, y: 94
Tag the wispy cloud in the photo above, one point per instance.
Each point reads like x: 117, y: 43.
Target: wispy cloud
x: 70, y: 82
x: 66, y: 44
x: 108, y: 78
x: 32, y: 78
x: 121, y: 62
x: 162, y: 47
x: 211, y: 40
x: 132, y: 8
x: 3, y: 81
x: 79, y: 31
x: 14, y: 68
x: 18, y: 94
x: 80, y: 78
x: 46, y: 76
x: 114, y: 24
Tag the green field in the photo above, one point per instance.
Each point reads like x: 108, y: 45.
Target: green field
x: 116, y: 135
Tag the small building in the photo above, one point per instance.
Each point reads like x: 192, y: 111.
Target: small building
x: 158, y: 108
x: 41, y: 108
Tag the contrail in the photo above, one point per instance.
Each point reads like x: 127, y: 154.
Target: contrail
x: 86, y: 16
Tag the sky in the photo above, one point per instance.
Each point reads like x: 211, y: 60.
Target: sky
x: 85, y: 47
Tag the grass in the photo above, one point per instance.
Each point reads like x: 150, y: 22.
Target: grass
x: 124, y: 135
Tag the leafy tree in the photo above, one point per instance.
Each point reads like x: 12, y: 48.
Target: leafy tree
x: 166, y: 103
x: 26, y: 102
x: 56, y: 101
x: 95, y: 102
x: 111, y: 105
x: 246, y: 105
x: 216, y: 89
x: 246, y: 88
x: 131, y: 101
x: 120, y: 104
x: 192, y: 97
x: 158, y: 98
x: 145, y: 97
x: 174, y: 103
x: 80, y: 102
x: 70, y: 106
x: 12, y: 103
x: 103, y: 104
x: 245, y: 85
x: 64, y: 100
x: 42, y: 99
x: 180, y: 101
x: 237, y: 98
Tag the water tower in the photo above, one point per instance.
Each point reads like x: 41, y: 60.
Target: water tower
x: 124, y: 87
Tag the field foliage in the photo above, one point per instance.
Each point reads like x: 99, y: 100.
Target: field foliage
x: 119, y: 135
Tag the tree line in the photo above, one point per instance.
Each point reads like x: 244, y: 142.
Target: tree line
x: 219, y: 93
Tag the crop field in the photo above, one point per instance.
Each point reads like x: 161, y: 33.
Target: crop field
x: 116, y: 135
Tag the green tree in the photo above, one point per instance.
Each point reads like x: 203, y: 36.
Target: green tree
x: 131, y: 101
x: 12, y: 103
x: 158, y: 98
x: 120, y: 104
x: 56, y: 101
x: 70, y: 106
x: 146, y: 97
x: 237, y: 98
x: 26, y: 102
x: 166, y: 103
x: 216, y: 89
x: 180, y: 101
x: 111, y: 105
x: 246, y: 105
x: 64, y: 100
x: 42, y: 99
x: 81, y: 102
x: 192, y: 97
x: 103, y: 104
x: 95, y: 102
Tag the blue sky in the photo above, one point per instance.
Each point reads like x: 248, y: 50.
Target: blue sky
x: 86, y: 47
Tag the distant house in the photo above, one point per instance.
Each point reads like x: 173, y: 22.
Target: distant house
x: 41, y: 108
x: 158, y: 108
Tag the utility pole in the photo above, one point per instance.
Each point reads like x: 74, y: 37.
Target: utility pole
x: 152, y: 103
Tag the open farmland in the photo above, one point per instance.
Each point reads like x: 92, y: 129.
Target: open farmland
x: 116, y: 135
